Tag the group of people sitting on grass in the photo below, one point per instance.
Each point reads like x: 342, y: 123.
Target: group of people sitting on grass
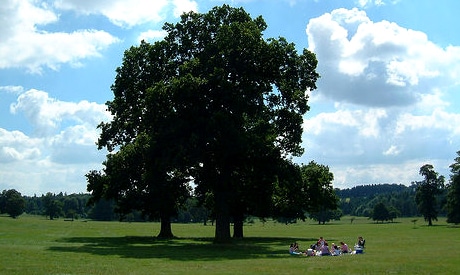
x: 322, y: 248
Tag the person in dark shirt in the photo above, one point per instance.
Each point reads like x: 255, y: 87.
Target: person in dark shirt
x: 361, y: 242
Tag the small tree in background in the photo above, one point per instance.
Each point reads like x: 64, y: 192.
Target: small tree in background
x: 380, y: 212
x: 427, y: 190
x: 322, y: 199
x: 393, y: 213
x: 13, y: 203
x: 53, y: 207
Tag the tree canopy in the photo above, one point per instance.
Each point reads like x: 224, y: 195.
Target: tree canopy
x: 52, y: 205
x: 426, y: 193
x: 213, y: 102
x: 380, y: 212
x: 321, y: 198
x: 12, y: 203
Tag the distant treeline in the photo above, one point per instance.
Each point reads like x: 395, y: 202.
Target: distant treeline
x: 361, y: 200
x: 356, y: 201
x: 75, y: 206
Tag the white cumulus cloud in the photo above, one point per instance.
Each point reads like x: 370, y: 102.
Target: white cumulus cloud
x: 124, y: 13
x: 181, y: 6
x: 46, y: 114
x: 377, y: 63
x: 59, y: 152
x: 16, y: 146
x: 24, y: 44
x: 152, y: 35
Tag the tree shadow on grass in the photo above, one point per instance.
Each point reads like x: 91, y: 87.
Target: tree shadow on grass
x: 179, y: 249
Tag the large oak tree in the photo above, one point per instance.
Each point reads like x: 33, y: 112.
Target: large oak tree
x: 214, y: 101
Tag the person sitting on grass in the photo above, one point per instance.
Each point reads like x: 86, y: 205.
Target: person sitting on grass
x: 361, y: 242
x: 294, y: 249
x: 314, y: 249
x: 321, y: 241
x: 344, y: 248
x: 335, y: 250
x: 324, y: 250
x: 359, y: 247
x: 310, y: 252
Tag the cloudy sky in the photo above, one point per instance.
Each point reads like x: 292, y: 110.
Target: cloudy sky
x: 386, y: 103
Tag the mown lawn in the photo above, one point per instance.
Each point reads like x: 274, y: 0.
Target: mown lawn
x: 35, y: 245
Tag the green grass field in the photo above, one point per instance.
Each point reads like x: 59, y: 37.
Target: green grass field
x: 34, y: 245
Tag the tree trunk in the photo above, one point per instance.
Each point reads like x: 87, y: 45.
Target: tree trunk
x: 222, y: 234
x: 238, y: 226
x: 165, y: 228
x: 222, y: 228
x: 430, y: 223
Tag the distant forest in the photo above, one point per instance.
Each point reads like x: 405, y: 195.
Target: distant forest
x: 360, y: 200
x: 356, y: 201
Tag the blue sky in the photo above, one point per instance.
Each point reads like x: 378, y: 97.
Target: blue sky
x: 386, y: 103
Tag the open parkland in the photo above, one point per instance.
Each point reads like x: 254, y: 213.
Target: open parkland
x: 36, y: 245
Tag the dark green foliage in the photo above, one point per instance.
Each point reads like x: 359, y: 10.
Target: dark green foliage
x: 360, y: 200
x: 3, y: 202
x: 380, y: 212
x: 321, y: 198
x: 214, y: 102
x: 193, y: 212
x: 326, y: 215
x: 398, y: 204
x: 12, y: 203
x: 290, y: 200
x: 144, y: 174
x: 393, y: 213
x: 34, y: 205
x: 242, y: 128
x: 72, y: 206
x: 371, y: 190
x: 52, y: 205
x: 305, y: 189
x: 453, y: 195
x: 427, y: 190
x: 103, y: 210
